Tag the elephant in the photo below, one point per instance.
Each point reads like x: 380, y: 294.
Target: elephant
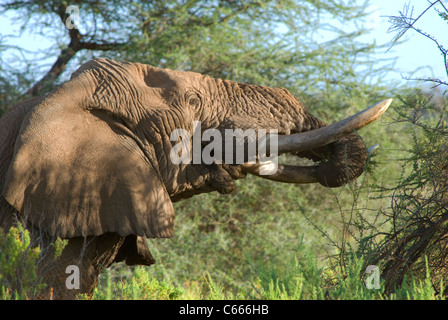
x: 89, y: 161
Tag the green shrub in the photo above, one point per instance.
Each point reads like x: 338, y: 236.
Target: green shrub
x: 135, y: 285
x: 18, y: 266
x: 418, y: 213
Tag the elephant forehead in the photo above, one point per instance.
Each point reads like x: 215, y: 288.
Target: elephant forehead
x: 173, y: 79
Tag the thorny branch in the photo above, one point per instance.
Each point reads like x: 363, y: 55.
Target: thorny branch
x: 405, y: 21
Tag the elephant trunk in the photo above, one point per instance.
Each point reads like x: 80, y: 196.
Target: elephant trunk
x: 340, y: 151
x: 346, y: 161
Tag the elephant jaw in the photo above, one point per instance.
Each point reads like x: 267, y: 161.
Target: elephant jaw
x: 313, y: 139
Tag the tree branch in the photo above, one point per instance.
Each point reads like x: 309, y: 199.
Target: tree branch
x: 76, y: 44
x: 57, y: 68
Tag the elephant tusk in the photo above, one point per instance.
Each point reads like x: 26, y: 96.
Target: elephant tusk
x: 289, y: 173
x: 372, y: 149
x: 284, y: 173
x: 328, y: 134
x: 313, y: 139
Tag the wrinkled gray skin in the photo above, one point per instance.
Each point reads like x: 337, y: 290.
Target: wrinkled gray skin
x: 90, y: 161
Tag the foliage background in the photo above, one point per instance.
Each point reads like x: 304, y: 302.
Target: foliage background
x: 268, y: 240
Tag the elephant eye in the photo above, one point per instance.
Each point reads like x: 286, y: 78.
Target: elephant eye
x: 194, y: 101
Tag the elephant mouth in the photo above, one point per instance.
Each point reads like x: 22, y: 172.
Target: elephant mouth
x: 309, y: 140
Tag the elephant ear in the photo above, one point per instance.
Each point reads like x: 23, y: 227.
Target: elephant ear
x: 77, y: 170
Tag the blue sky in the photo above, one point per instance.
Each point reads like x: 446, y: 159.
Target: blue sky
x: 416, y: 53
x: 417, y: 56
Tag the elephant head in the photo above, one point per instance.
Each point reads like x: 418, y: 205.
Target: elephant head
x: 92, y: 158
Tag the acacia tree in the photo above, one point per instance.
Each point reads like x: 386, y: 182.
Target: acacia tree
x: 264, y: 42
x: 417, y: 241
